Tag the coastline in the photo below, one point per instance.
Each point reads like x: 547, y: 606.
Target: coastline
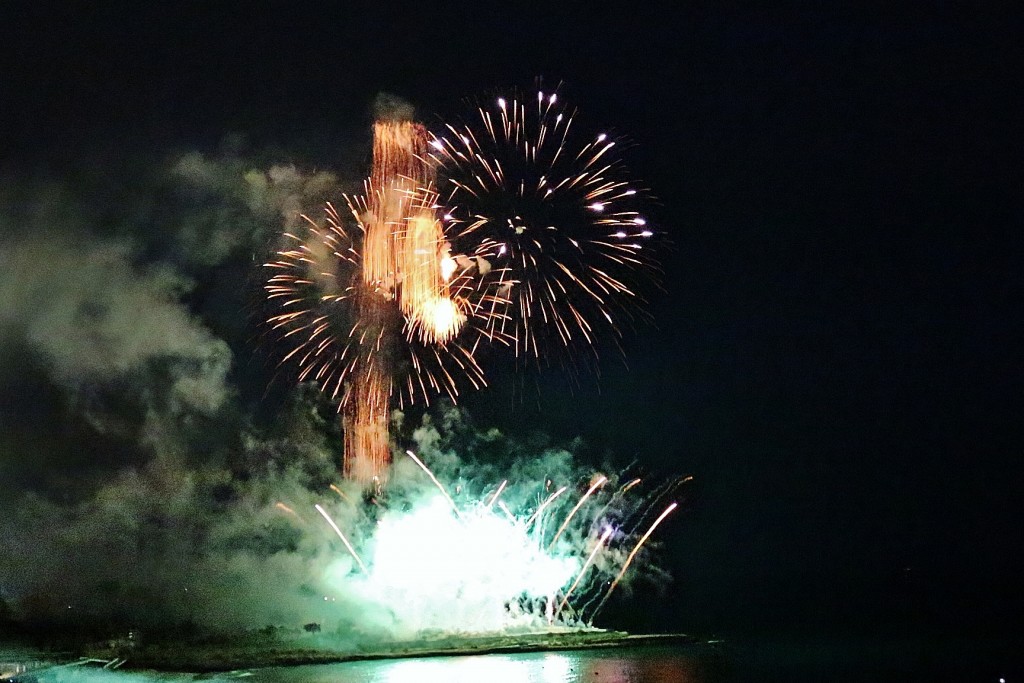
x: 230, y: 656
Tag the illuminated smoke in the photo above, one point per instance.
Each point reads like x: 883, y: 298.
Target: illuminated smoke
x: 198, y: 517
x: 456, y: 552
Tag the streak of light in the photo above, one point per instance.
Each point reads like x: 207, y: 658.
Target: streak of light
x: 348, y: 546
x: 440, y: 488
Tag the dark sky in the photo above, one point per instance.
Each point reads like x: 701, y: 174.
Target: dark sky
x: 836, y: 354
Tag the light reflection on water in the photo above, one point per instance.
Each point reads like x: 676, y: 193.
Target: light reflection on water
x: 619, y: 665
x: 662, y: 664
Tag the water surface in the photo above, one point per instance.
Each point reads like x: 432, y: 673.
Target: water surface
x: 687, y: 664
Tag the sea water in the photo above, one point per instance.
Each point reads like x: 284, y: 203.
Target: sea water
x: 601, y: 665
x: 785, y: 659
x: 596, y: 665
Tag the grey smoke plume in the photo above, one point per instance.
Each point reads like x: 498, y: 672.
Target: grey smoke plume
x: 122, y: 428
x: 236, y: 206
x: 94, y: 318
x: 162, y: 545
x: 390, y: 107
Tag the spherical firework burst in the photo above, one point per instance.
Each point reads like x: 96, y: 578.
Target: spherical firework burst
x: 546, y: 221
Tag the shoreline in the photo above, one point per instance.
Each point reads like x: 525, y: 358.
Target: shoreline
x: 212, y: 658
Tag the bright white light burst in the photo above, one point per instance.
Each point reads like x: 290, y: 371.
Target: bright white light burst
x: 508, y: 559
x: 436, y: 569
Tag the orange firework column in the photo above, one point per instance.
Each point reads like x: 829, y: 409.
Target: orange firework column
x: 365, y: 422
x: 397, y: 264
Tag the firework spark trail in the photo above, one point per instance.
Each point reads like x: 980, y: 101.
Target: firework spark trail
x: 508, y: 513
x: 341, y: 494
x: 348, y: 546
x: 405, y: 254
x: 284, y: 508
x: 632, y: 554
x: 497, y: 493
x: 437, y: 483
x: 583, y: 499
x: 617, y: 496
x: 550, y: 499
x: 590, y: 560
x: 396, y: 172
x: 365, y: 426
x: 652, y: 499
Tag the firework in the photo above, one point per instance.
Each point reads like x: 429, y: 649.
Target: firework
x: 344, y: 539
x: 368, y: 313
x: 509, y: 229
x: 502, y: 558
x: 512, y: 228
x: 546, y: 221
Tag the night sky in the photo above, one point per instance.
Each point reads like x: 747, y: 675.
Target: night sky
x: 835, y: 356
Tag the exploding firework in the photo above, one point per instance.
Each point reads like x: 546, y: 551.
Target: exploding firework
x: 324, y: 319
x: 368, y: 312
x: 546, y: 221
x: 507, y: 230
x: 500, y: 558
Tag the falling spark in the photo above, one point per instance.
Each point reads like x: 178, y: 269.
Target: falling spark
x: 284, y: 508
x: 632, y: 554
x: 583, y: 499
x: 340, y: 493
x: 497, y: 493
x: 437, y: 483
x: 348, y: 546
x: 590, y: 560
x: 547, y: 502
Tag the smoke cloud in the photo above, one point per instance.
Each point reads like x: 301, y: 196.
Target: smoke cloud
x: 150, y: 477
x: 126, y: 437
x: 388, y: 107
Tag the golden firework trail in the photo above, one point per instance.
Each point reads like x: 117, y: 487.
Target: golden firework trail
x: 373, y: 318
x: 632, y: 554
x: 598, y: 483
x: 348, y: 545
x: 550, y: 499
x: 586, y: 565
